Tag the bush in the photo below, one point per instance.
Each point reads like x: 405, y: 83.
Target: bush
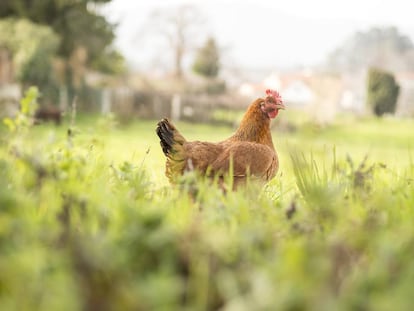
x: 382, y: 92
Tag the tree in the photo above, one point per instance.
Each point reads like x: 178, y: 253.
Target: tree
x: 207, y: 62
x: 179, y: 28
x: 110, y: 62
x: 85, y: 38
x: 75, y: 21
x: 33, y: 47
x: 382, y: 93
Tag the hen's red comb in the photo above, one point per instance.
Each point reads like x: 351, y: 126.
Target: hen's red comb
x: 274, y: 94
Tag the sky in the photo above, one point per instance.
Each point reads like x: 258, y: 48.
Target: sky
x: 260, y: 33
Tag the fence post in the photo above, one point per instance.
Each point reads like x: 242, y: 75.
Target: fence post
x: 176, y: 107
x: 106, y: 101
x: 63, y: 98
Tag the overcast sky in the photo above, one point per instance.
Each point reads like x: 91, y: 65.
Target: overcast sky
x: 264, y: 33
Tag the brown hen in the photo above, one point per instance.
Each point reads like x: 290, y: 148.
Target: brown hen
x: 249, y: 151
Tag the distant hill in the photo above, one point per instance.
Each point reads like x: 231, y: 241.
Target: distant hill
x: 384, y: 48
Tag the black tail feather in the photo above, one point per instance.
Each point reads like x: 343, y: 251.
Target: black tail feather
x: 165, y: 131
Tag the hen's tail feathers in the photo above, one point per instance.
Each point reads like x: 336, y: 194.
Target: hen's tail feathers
x: 171, y: 142
x: 170, y: 137
x: 166, y: 134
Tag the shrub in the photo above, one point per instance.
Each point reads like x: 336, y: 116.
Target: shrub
x: 382, y: 92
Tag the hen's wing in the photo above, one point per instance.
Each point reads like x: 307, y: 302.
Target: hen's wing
x: 247, y: 158
x: 201, y: 155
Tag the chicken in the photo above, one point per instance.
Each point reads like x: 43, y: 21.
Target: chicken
x: 249, y: 152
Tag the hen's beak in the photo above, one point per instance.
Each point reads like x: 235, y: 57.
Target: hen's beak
x: 280, y: 105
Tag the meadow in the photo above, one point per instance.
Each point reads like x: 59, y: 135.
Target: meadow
x: 88, y: 220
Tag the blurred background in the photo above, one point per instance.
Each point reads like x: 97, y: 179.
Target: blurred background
x: 198, y: 61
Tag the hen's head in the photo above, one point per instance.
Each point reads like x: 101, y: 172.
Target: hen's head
x: 272, y: 104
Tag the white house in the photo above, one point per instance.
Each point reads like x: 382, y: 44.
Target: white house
x: 298, y: 93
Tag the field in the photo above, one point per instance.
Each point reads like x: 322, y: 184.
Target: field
x: 89, y: 222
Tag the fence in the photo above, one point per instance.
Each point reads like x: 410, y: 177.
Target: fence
x: 130, y: 103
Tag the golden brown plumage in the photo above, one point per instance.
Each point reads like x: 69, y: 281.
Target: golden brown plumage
x: 249, y: 150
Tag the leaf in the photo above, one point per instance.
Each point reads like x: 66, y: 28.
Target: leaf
x: 10, y: 124
x: 28, y: 102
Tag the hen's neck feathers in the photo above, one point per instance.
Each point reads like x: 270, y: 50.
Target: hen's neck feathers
x: 255, y: 126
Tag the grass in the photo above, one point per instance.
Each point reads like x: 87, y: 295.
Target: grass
x: 88, y: 221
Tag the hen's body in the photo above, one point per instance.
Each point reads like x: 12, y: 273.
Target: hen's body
x: 249, y: 151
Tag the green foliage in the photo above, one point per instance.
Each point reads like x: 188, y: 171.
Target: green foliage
x: 90, y: 29
x: 24, y: 118
x: 85, y: 225
x: 85, y: 40
x: 382, y: 92
x: 207, y: 62
x: 110, y: 62
x: 32, y: 47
